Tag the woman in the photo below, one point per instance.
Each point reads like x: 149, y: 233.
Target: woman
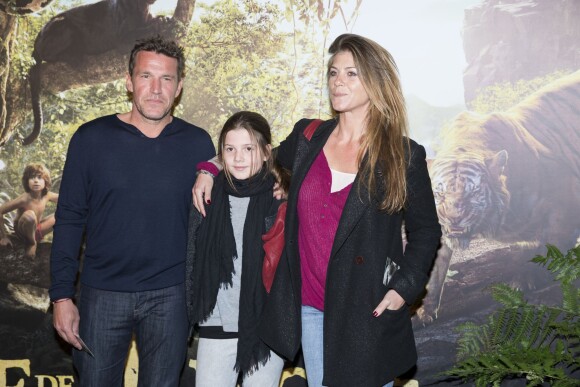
x: 344, y: 285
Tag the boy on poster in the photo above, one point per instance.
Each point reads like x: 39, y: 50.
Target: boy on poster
x: 29, y: 225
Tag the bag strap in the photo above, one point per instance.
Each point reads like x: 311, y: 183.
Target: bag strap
x: 311, y: 128
x: 273, y: 247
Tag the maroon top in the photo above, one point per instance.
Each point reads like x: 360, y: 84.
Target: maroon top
x: 319, y: 212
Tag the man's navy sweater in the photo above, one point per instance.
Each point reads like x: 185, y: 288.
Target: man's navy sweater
x: 130, y: 196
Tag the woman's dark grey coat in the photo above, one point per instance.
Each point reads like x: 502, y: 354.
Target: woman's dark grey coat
x: 359, y: 349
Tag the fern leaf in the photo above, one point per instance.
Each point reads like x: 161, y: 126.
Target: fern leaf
x: 538, y: 342
x: 507, y: 296
x: 565, y: 267
x: 571, y: 298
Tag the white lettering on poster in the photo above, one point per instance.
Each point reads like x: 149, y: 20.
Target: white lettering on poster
x: 21, y: 367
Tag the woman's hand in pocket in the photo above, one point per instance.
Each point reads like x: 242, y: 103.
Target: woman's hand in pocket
x: 391, y: 301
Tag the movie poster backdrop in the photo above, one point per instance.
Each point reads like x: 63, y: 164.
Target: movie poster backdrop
x: 492, y: 89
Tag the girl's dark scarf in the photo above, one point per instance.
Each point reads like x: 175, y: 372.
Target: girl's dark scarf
x: 214, y: 266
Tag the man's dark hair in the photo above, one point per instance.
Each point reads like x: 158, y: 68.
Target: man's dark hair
x: 160, y: 46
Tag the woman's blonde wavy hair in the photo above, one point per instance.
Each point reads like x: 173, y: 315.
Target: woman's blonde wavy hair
x: 385, y: 140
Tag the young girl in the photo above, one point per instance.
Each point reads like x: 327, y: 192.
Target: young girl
x: 224, y: 280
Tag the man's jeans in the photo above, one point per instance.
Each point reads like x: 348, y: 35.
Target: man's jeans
x: 108, y: 321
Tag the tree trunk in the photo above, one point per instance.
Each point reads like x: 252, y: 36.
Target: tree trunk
x: 7, y: 28
x: 184, y: 11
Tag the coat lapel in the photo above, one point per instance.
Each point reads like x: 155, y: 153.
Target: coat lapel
x: 308, y: 151
x: 355, y: 206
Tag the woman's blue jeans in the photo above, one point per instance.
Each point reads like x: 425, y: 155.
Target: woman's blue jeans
x: 108, y: 321
x: 313, y: 347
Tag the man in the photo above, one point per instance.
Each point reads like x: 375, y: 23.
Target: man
x: 126, y: 186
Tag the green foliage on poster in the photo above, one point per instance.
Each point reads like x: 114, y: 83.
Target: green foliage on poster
x: 241, y: 55
x: 503, y: 96
x: 521, y: 340
x: 245, y: 57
